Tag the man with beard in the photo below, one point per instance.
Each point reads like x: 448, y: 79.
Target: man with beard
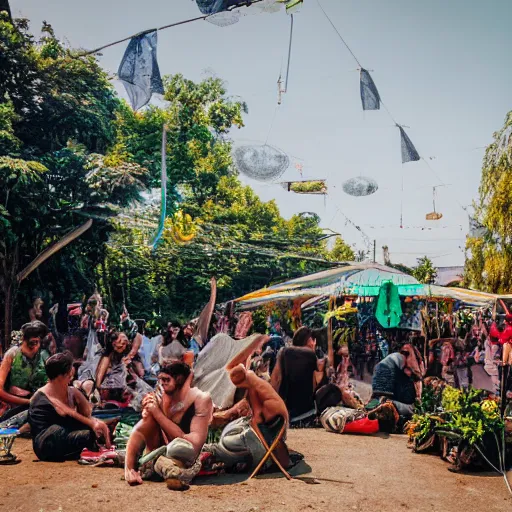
x: 173, y: 428
x: 396, y: 385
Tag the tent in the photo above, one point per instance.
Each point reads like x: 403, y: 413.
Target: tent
x: 362, y: 279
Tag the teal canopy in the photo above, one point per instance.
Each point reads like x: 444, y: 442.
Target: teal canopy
x: 362, y: 279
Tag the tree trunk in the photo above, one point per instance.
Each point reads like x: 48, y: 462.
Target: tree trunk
x: 4, y: 6
x: 8, y: 297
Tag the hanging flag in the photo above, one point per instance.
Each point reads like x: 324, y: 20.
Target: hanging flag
x: 215, y: 6
x: 139, y: 69
x: 409, y: 153
x: 163, y: 185
x: 369, y: 94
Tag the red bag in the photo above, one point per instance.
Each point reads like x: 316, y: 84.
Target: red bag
x: 362, y: 426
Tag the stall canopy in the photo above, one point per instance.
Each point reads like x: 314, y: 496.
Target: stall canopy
x: 468, y: 297
x: 362, y: 279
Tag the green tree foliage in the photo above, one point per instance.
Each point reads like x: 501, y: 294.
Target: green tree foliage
x: 490, y: 255
x: 425, y: 272
x: 341, y: 251
x: 56, y: 111
x: 70, y: 150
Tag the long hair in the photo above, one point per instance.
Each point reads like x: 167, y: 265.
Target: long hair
x: 109, y: 345
x: 180, y: 337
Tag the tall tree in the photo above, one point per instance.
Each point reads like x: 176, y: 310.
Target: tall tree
x: 425, y: 272
x: 56, y: 110
x: 489, y: 246
x: 341, y: 251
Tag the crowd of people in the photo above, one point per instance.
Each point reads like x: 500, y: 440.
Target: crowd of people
x: 207, y: 396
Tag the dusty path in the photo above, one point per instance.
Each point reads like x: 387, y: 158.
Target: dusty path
x: 357, y: 473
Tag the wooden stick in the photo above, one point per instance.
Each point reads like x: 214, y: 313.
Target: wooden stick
x: 269, y: 452
x: 264, y: 442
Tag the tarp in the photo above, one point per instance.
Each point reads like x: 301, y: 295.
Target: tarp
x: 363, y: 279
x: 469, y: 297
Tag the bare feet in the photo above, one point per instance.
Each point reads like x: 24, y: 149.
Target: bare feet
x: 132, y: 477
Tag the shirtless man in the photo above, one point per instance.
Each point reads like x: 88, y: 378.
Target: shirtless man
x: 179, y: 420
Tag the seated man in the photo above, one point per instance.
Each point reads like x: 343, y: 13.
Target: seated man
x: 178, y: 419
x: 297, y: 375
x: 60, y: 416
x: 240, y: 442
x: 396, y: 381
x: 22, y: 370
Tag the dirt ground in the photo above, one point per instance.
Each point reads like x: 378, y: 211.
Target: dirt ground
x: 360, y: 473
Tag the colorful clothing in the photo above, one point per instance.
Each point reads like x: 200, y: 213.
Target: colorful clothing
x: 27, y: 374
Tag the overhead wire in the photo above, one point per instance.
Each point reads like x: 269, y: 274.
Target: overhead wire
x: 382, y: 103
x: 164, y: 27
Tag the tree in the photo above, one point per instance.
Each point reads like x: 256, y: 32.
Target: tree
x: 425, y: 272
x: 4, y: 6
x: 341, y: 251
x: 56, y: 110
x: 70, y: 151
x: 489, y: 248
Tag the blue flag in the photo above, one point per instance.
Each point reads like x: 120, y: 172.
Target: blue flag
x: 139, y: 70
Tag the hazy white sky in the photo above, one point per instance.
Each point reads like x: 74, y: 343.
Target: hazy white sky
x: 441, y: 67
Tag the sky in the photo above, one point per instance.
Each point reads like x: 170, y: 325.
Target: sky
x: 442, y: 69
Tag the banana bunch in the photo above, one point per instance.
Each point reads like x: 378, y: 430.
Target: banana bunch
x: 344, y: 335
x: 341, y: 313
x: 182, y: 229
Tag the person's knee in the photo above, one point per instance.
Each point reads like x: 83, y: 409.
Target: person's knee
x: 47, y: 443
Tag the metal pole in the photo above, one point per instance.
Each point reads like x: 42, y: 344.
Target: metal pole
x: 374, y: 250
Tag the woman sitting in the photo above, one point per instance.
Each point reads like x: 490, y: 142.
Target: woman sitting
x: 60, y: 416
x: 115, y: 369
x: 173, y: 345
x: 22, y: 370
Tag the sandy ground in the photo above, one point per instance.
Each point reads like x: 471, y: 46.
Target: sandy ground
x: 361, y: 473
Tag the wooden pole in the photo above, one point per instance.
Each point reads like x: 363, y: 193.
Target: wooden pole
x: 330, y: 344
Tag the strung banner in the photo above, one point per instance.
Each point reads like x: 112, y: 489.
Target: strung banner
x: 409, y: 153
x: 216, y: 6
x: 317, y: 187
x: 261, y: 162
x: 139, y: 70
x: 360, y: 186
x: 369, y: 94
x: 292, y: 5
x: 163, y: 203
